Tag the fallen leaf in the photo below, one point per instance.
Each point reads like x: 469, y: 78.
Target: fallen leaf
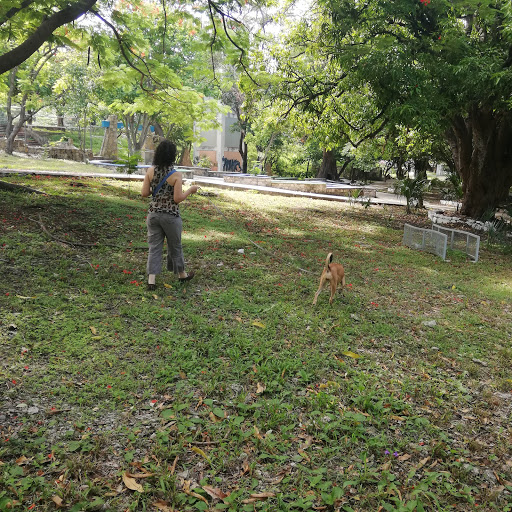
x: 348, y: 353
x: 215, y: 492
x: 93, y: 330
x: 404, y: 457
x: 155, y: 296
x: 197, y: 450
x: 257, y: 433
x: 57, y: 500
x: 422, y: 462
x: 245, y: 467
x: 258, y: 324
x: 23, y: 297
x: 259, y: 497
x: 304, y: 455
x: 22, y: 460
x: 260, y: 388
x: 307, y: 443
x: 167, y: 285
x: 131, y: 483
x: 398, y: 418
x: 186, y: 490
x: 140, y: 475
x: 173, y: 467
x: 96, y: 338
x: 164, y: 506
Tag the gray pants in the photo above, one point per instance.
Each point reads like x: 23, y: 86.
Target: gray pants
x: 160, y: 226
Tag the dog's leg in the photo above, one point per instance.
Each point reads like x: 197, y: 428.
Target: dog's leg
x: 320, y: 288
x: 333, y: 290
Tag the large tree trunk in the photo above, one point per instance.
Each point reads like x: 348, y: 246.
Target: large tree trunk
x: 185, y: 159
x: 327, y: 170
x: 421, y: 166
x: 481, y: 148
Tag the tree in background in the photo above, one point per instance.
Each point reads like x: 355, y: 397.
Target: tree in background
x: 443, y: 68
x: 305, y: 86
x: 156, y: 70
x: 27, y: 90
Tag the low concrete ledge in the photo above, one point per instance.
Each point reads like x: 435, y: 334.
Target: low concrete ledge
x: 300, y: 186
x: 248, y: 179
x: 348, y: 191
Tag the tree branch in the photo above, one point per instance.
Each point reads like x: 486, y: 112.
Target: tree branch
x: 34, y: 41
x: 223, y: 17
x: 15, y: 10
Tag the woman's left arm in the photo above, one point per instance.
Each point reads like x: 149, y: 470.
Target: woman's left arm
x: 146, y: 184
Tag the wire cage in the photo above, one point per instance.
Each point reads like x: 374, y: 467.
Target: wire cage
x: 461, y: 240
x: 427, y: 240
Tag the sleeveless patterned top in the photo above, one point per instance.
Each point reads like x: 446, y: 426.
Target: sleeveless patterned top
x: 164, y: 199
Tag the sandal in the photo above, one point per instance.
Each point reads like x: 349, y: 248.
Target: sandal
x: 151, y: 287
x: 190, y: 275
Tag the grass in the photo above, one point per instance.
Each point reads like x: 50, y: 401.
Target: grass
x: 233, y: 392
x: 48, y: 164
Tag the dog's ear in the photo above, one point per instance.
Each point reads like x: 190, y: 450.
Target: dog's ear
x: 330, y: 259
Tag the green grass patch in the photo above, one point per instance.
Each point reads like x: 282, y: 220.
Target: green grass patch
x: 233, y: 392
x: 49, y: 164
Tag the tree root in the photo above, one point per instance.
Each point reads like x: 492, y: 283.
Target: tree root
x: 18, y: 188
x: 79, y: 244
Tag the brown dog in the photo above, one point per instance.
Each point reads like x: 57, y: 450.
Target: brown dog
x: 334, y: 273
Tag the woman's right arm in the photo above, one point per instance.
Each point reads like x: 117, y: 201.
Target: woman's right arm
x: 146, y: 184
x: 179, y: 195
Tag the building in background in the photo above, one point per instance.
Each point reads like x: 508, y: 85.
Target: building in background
x: 221, y: 145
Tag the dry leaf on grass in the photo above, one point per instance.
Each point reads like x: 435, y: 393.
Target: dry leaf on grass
x: 215, y: 492
x: 260, y: 388
x: 164, y: 506
x: 57, y: 500
x: 139, y: 475
x: 186, y: 490
x: 257, y: 433
x: 173, y: 467
x: 131, y: 483
x: 258, y: 497
x: 245, y: 468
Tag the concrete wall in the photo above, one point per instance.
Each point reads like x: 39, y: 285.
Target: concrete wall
x: 223, y: 142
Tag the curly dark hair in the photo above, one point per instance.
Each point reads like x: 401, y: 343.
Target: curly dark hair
x: 165, y: 154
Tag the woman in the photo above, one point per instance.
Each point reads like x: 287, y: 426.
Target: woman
x: 163, y: 219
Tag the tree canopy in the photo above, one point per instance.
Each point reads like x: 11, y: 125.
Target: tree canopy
x: 439, y: 69
x: 348, y: 72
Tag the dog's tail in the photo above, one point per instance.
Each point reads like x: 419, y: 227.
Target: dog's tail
x: 328, y: 260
